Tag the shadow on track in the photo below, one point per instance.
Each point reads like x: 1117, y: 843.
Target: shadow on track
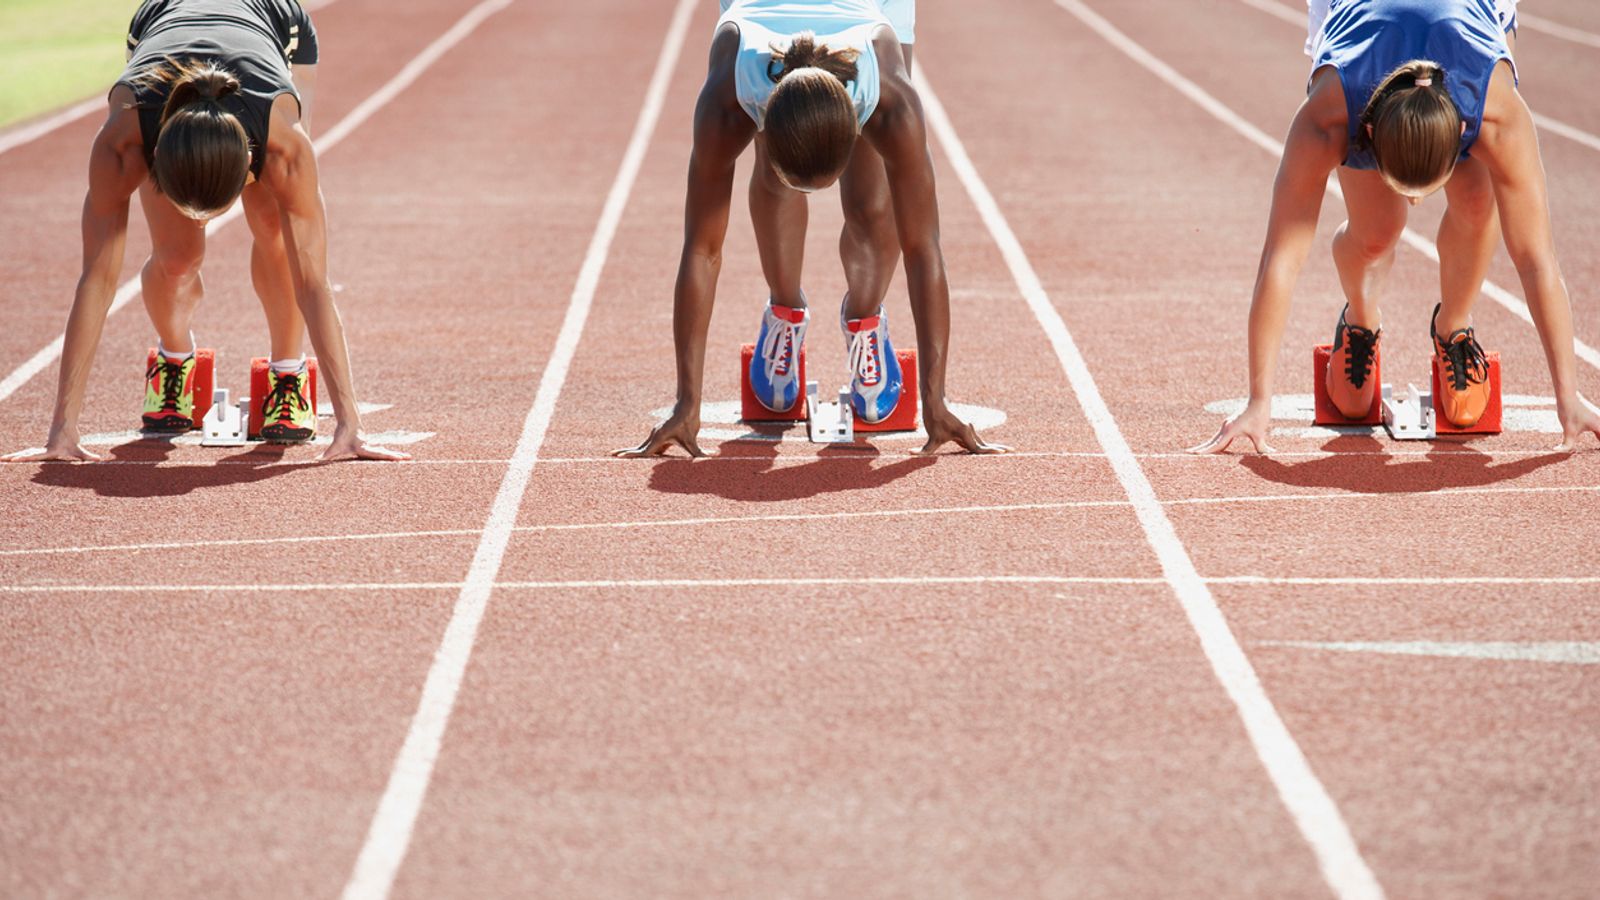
x: 165, y: 481
x: 1371, y: 472
x: 752, y: 476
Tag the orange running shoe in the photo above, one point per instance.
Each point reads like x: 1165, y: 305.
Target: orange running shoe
x: 1463, y: 374
x: 1350, y: 384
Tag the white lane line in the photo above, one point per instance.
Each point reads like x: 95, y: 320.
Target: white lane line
x: 1261, y: 139
x: 1307, y: 801
x: 1554, y: 126
x: 1583, y: 653
x: 396, y: 816
x: 790, y: 517
x: 364, y: 111
x: 1556, y: 29
x: 382, y: 587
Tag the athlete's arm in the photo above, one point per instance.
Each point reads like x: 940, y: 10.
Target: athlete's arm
x: 1508, y: 146
x: 290, y: 174
x: 305, y: 84
x: 898, y: 132
x: 116, y: 168
x: 721, y: 132
x: 1314, y: 147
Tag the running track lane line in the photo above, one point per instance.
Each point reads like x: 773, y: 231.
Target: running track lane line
x: 1556, y: 29
x: 332, y: 138
x: 1227, y: 116
x: 396, y: 816
x: 1307, y: 801
x: 912, y: 512
x: 29, y: 133
x: 1554, y: 126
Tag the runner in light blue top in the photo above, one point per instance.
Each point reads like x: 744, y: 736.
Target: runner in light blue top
x: 802, y: 80
x: 1407, y: 97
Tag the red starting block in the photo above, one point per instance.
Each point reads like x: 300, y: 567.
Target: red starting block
x: 1489, y: 422
x: 200, y: 386
x: 1327, y: 413
x: 261, y: 384
x: 904, y: 417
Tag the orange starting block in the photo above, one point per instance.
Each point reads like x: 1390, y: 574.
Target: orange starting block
x: 260, y: 384
x: 904, y: 417
x: 200, y: 386
x: 1403, y: 415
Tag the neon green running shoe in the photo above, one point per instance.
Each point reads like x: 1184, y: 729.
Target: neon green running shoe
x: 287, y: 417
x: 168, y: 395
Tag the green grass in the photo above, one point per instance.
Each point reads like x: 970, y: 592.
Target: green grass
x: 57, y: 52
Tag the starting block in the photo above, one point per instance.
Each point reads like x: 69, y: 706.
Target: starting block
x: 204, y: 380
x: 260, y: 386
x: 1489, y: 422
x: 224, y: 424
x: 829, y: 423
x: 1410, y: 416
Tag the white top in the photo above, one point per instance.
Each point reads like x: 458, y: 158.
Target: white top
x: 837, y: 24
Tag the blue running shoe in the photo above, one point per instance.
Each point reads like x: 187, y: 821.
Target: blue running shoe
x: 775, y: 367
x: 875, y: 379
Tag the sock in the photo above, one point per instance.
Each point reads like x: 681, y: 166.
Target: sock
x: 170, y: 356
x: 287, y: 366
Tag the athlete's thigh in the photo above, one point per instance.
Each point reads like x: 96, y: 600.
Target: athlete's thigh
x: 1375, y: 211
x: 178, y: 241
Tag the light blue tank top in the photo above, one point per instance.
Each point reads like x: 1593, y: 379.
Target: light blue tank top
x: 1367, y: 39
x: 836, y: 23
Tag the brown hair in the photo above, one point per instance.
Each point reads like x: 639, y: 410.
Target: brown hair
x: 810, y: 119
x: 1416, y: 129
x: 202, y: 154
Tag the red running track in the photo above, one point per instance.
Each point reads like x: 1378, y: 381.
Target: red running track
x: 784, y: 671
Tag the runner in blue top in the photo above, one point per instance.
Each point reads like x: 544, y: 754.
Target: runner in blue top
x: 1406, y: 97
x: 801, y: 79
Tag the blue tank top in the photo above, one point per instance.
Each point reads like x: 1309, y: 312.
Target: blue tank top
x: 836, y: 23
x: 1367, y: 39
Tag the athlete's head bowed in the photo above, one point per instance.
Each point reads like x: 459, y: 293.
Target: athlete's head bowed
x: 202, y: 155
x: 1414, y: 128
x: 810, y: 122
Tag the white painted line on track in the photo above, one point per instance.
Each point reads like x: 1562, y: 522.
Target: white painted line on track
x: 352, y: 120
x: 1583, y: 653
x: 390, y: 833
x: 1307, y: 801
x: 1554, y: 126
x: 792, y: 517
x: 1254, y: 135
x: 1556, y: 29
x: 381, y: 587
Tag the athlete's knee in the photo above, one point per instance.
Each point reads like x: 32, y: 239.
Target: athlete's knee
x: 1367, y: 244
x: 176, y: 264
x: 868, y: 210
x: 1473, y: 205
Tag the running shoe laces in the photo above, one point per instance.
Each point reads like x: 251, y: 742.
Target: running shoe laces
x: 284, y: 397
x: 1465, y: 360
x: 171, y: 375
x: 864, y: 359
x: 1358, y: 362
x: 778, y: 351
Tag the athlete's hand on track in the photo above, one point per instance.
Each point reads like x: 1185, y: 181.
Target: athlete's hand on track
x: 64, y: 449
x: 1576, y: 418
x: 681, y: 428
x: 943, y: 426
x: 347, y: 444
x: 1252, y: 423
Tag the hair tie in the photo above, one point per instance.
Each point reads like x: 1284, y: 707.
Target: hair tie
x: 1424, y: 81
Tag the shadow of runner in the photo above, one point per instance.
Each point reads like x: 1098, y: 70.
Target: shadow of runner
x: 164, y: 481
x: 1370, y: 472
x: 751, y: 476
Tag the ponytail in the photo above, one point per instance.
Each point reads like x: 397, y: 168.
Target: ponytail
x: 202, y: 153
x: 1415, y: 127
x: 804, y: 53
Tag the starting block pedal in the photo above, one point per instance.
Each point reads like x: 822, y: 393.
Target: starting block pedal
x: 1410, y: 416
x: 224, y: 424
x: 201, y: 385
x: 829, y: 423
x: 1326, y: 412
x: 750, y: 409
x: 260, y: 387
x: 1489, y: 422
